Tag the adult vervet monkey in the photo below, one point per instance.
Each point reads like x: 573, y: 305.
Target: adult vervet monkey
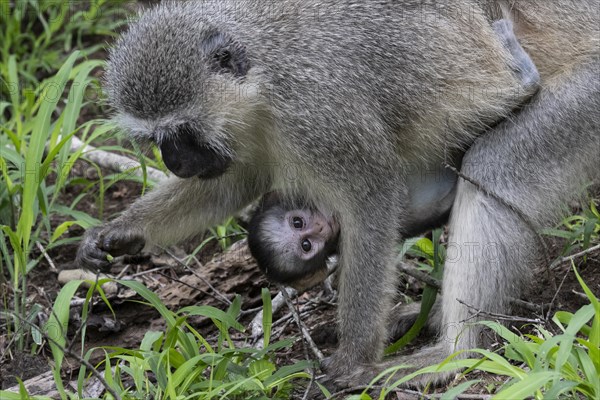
x: 353, y: 93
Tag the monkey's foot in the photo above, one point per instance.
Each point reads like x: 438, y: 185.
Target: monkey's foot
x: 392, y: 370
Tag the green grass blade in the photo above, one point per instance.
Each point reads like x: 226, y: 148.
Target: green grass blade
x: 580, y: 318
x: 595, y: 333
x: 36, y: 147
x: 592, y: 374
x: 287, y: 370
x: 13, y: 85
x: 527, y: 386
x: 555, y: 391
x: 594, y: 352
x: 455, y: 391
x: 152, y: 298
x: 267, y: 317
x: 56, y: 328
x: 214, y: 314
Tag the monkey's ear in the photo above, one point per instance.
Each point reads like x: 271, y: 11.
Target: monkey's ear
x: 226, y: 55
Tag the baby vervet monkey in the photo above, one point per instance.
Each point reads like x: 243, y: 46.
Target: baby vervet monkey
x: 291, y: 240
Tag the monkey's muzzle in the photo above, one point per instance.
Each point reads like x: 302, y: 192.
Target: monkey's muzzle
x: 186, y: 158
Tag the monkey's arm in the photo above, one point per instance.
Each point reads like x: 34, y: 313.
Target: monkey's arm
x: 522, y: 64
x: 174, y: 211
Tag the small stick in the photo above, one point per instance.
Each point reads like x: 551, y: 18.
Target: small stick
x: 499, y: 316
x: 562, y: 260
x: 46, y: 256
x: 313, y: 347
x: 115, y: 162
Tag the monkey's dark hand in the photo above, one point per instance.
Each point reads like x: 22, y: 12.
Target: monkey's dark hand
x: 101, y: 243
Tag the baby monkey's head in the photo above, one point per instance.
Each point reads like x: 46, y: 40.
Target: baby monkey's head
x: 292, y: 241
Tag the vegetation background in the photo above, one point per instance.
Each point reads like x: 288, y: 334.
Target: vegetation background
x: 199, y: 320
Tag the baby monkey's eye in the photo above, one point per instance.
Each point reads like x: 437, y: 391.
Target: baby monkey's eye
x: 297, y: 222
x: 306, y: 246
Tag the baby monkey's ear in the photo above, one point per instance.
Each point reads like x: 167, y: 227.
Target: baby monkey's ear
x: 225, y: 54
x: 271, y: 199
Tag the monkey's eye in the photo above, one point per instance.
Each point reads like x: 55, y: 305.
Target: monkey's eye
x: 223, y: 57
x: 306, y: 246
x: 297, y: 223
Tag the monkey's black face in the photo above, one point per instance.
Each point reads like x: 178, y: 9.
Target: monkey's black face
x: 185, y: 157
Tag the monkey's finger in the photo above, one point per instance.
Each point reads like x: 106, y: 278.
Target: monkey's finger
x: 91, y: 257
x: 119, y: 245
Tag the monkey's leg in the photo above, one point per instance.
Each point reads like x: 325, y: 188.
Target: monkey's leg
x: 366, y: 286
x: 536, y: 161
x: 174, y: 211
x: 433, y: 189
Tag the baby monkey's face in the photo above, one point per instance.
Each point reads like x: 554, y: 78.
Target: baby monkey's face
x: 307, y: 234
x: 291, y: 241
x: 305, y: 238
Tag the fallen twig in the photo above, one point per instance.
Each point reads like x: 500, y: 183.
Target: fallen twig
x: 46, y: 256
x: 501, y: 317
x: 115, y: 162
x: 305, y: 333
x: 551, y: 305
x: 537, y: 308
x: 562, y: 260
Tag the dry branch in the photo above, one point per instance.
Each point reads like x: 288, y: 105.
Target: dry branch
x: 115, y: 162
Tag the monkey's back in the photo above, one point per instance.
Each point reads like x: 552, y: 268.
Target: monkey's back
x: 408, y: 73
x: 339, y: 61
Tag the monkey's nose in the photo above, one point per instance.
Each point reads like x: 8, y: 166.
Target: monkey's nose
x: 320, y: 227
x: 173, y: 164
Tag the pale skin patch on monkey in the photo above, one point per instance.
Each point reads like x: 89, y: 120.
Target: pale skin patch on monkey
x: 297, y: 243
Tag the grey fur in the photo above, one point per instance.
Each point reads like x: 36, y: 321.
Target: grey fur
x: 347, y: 95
